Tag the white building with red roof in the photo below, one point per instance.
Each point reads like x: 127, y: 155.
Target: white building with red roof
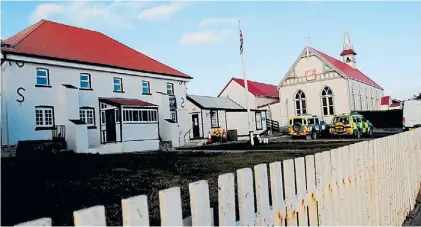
x: 101, y: 94
x: 259, y: 96
x: 320, y: 84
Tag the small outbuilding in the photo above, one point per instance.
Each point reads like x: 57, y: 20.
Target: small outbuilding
x: 209, y: 113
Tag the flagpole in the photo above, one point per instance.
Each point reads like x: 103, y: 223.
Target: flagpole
x: 245, y: 83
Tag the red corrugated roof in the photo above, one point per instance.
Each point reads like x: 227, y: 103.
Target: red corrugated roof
x: 349, y: 51
x: 256, y: 88
x: 129, y: 102
x: 59, y: 41
x: 385, y: 100
x: 352, y: 73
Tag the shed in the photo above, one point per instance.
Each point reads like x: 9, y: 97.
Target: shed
x: 209, y: 113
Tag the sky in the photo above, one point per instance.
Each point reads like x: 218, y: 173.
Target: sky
x: 201, y: 38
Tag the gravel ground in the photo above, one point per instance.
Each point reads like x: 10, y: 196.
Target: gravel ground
x: 414, y: 218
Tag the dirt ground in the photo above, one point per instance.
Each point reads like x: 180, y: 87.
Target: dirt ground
x: 56, y: 186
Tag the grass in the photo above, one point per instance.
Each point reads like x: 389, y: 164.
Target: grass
x: 56, y: 186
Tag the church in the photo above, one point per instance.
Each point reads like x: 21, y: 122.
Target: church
x: 320, y: 84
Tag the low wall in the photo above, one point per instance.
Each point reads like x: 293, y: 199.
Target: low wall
x: 368, y: 183
x: 384, y: 118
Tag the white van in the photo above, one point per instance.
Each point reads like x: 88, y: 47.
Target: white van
x: 411, y: 114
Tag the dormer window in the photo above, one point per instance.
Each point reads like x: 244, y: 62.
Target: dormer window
x: 348, y: 59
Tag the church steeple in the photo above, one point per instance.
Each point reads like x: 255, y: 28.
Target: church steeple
x: 348, y: 54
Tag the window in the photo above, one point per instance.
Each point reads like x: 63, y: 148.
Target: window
x: 44, y: 116
x: 139, y: 116
x: 173, y: 115
x: 377, y: 101
x: 316, y: 121
x: 145, y: 88
x: 373, y: 101
x: 85, y: 81
x: 327, y: 101
x: 43, y: 78
x: 368, y: 103
x: 300, y: 103
x: 259, y: 121
x: 103, y: 117
x: 118, y: 84
x: 87, y: 114
x: 310, y: 121
x: 361, y: 100
x: 354, y: 100
x: 214, y: 119
x: 117, y: 116
x: 170, y: 89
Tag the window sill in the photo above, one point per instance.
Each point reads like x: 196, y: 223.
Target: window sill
x: 44, y: 128
x: 215, y: 127
x: 119, y: 91
x: 92, y: 127
x: 39, y: 85
x: 146, y: 94
x: 171, y: 95
x: 86, y: 89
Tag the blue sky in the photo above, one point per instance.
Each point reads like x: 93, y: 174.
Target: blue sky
x: 201, y: 38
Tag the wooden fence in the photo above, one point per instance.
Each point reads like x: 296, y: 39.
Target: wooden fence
x: 368, y: 183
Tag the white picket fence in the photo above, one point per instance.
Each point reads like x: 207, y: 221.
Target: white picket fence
x: 369, y: 183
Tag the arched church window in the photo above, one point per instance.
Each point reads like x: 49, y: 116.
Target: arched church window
x: 361, y: 100
x: 300, y: 103
x: 368, y: 103
x: 353, y: 99
x: 327, y: 101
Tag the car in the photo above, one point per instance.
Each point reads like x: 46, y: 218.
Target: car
x: 351, y: 125
x: 308, y: 126
x: 411, y: 115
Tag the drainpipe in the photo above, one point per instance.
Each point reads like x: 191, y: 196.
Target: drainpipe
x: 4, y: 99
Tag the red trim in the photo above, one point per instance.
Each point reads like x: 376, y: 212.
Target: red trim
x: 268, y: 104
x: 385, y: 100
x: 349, y: 51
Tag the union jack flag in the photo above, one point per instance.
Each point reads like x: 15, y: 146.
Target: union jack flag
x: 241, y: 42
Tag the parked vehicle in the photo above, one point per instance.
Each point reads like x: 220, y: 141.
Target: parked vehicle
x: 309, y: 126
x: 351, y: 125
x: 411, y: 114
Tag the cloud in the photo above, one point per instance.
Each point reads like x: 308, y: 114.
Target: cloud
x: 206, y: 37
x: 162, y: 11
x: 117, y: 14
x: 198, y: 38
x: 218, y: 21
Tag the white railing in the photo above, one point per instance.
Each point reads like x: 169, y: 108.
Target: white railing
x: 368, y: 183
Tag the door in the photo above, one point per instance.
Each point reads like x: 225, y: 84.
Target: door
x: 110, y: 125
x: 196, y: 128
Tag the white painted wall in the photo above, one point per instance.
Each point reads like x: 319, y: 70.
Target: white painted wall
x: 312, y: 91
x: 368, y: 93
x: 207, y: 126
x: 239, y: 122
x: 21, y: 117
x: 236, y: 93
x: 262, y: 101
x: 146, y: 131
x: 273, y: 111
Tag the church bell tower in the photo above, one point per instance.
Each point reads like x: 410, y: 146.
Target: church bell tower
x: 348, y: 54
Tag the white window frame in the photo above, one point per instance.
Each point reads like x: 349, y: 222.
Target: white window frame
x: 173, y: 115
x: 300, y: 111
x: 41, y: 116
x: 120, y: 84
x: 88, y: 80
x: 47, y: 76
x: 328, y: 105
x: 148, y: 87
x: 214, y: 118
x: 170, y: 89
x: 83, y: 115
x: 130, y: 113
x: 354, y: 100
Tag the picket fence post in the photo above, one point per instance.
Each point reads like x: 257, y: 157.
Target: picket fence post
x: 264, y: 217
x: 37, y: 222
x: 246, y: 197
x: 312, y: 195
x: 92, y: 216
x: 170, y: 207
x: 199, y: 203
x: 277, y: 191
x: 135, y: 211
x: 226, y: 199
